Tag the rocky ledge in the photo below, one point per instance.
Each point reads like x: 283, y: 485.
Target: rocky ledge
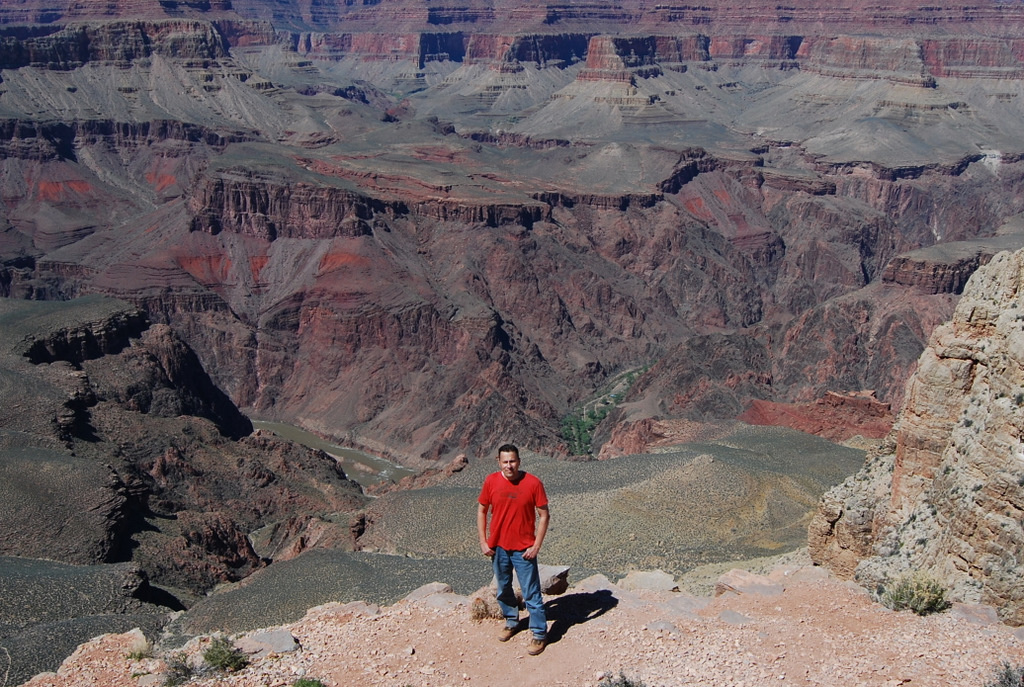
x: 793, y: 625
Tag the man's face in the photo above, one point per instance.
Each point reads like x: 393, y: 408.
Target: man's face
x: 509, y: 464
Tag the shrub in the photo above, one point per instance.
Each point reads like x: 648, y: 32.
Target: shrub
x: 179, y: 670
x: 1007, y: 676
x: 620, y: 681
x: 222, y: 655
x: 478, y: 609
x: 918, y: 592
x: 307, y: 682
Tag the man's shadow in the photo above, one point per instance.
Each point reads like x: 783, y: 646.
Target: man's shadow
x: 575, y: 609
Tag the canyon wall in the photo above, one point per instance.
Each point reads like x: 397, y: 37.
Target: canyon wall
x: 118, y: 42
x: 404, y: 15
x: 423, y: 238
x: 944, y: 495
x: 120, y: 431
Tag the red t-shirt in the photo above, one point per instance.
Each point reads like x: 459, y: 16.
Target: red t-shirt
x: 513, y: 522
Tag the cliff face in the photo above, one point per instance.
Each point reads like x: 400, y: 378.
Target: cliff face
x: 915, y: 61
x: 946, y: 17
x: 731, y: 206
x: 118, y: 42
x: 116, y: 424
x: 946, y: 495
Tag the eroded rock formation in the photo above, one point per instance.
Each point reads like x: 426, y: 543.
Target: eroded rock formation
x: 421, y: 230
x: 944, y: 495
x: 116, y: 444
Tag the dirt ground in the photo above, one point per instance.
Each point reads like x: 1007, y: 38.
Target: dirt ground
x: 796, y: 626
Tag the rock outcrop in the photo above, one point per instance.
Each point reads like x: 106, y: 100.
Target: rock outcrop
x: 117, y: 429
x: 117, y: 42
x: 945, y: 495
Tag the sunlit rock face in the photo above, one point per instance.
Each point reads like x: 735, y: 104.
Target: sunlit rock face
x: 423, y: 230
x: 947, y: 496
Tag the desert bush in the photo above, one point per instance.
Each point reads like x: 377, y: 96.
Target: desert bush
x: 1007, y: 676
x: 222, y: 655
x: 483, y: 605
x: 918, y: 592
x: 478, y: 609
x: 307, y: 682
x: 179, y: 670
x: 620, y: 680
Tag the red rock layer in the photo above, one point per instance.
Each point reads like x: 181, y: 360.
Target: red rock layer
x: 836, y: 417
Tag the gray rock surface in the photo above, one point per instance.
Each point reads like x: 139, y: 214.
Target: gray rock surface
x: 284, y: 591
x: 655, y: 580
x: 270, y: 641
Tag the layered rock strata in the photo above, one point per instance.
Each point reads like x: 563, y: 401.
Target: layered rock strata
x: 539, y: 211
x: 945, y: 494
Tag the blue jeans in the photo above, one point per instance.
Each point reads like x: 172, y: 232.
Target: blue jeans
x: 529, y: 582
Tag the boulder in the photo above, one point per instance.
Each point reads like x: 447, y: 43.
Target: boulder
x: 260, y: 644
x: 654, y: 580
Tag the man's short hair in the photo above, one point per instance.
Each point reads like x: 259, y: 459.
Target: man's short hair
x: 508, y: 448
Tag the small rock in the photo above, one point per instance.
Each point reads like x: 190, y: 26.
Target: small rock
x: 975, y: 613
x: 654, y: 580
x: 662, y: 626
x: 427, y: 590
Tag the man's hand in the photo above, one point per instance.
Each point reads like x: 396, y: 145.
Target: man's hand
x: 481, y: 529
x: 543, y: 518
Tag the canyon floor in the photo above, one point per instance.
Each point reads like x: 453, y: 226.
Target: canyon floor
x: 796, y: 625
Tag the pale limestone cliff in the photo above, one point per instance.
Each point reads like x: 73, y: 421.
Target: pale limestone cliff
x: 947, y: 495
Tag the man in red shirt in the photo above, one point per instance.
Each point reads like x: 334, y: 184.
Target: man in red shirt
x: 519, y: 521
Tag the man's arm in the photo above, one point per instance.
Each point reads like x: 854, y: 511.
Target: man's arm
x: 481, y: 529
x: 543, y: 517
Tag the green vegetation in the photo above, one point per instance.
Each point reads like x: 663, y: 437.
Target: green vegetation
x: 577, y: 427
x: 222, y: 655
x: 1007, y: 676
x: 179, y: 670
x: 307, y: 682
x: 620, y: 681
x: 918, y: 592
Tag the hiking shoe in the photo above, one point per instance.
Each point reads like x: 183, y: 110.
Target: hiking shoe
x: 536, y: 646
x: 507, y: 634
